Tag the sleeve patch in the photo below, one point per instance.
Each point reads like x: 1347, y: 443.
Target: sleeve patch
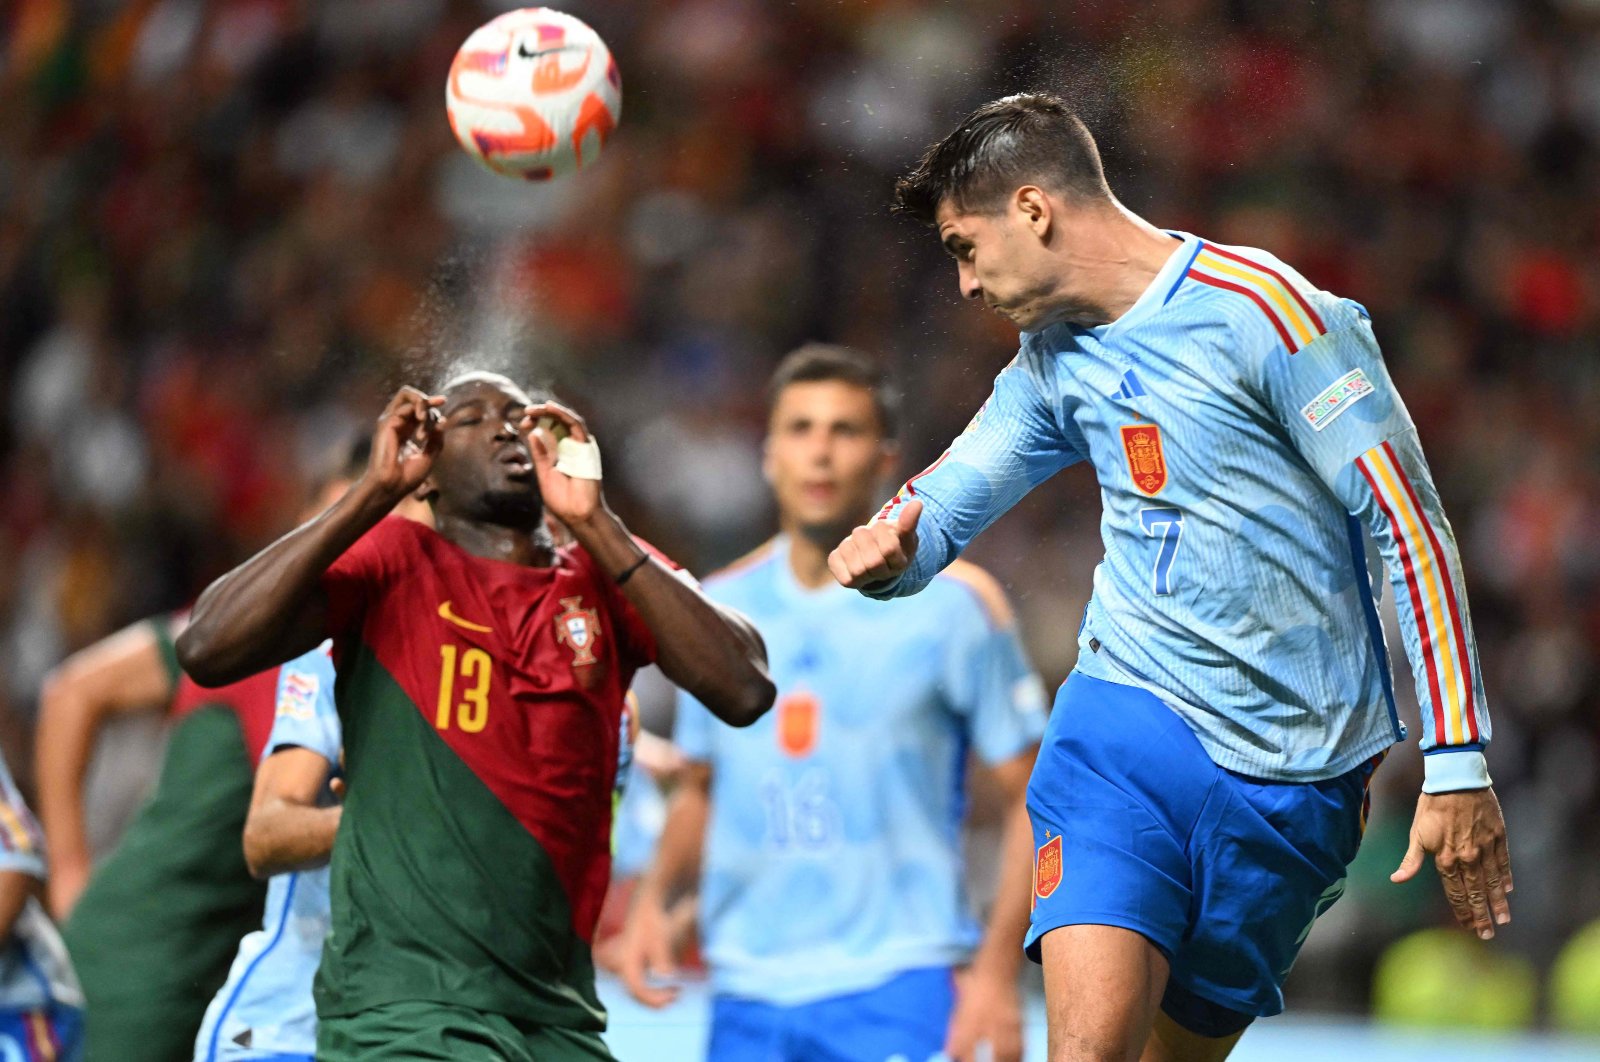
x: 297, y: 697
x: 1339, y: 396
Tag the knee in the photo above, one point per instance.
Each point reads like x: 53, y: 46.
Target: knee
x: 1071, y: 1046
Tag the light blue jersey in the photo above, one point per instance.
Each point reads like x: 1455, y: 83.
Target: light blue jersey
x: 265, y: 1009
x: 833, y: 855
x: 1248, y: 443
x: 35, y: 974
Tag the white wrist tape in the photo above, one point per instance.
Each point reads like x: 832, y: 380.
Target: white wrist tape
x: 580, y: 460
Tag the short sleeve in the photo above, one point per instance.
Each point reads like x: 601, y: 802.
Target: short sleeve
x: 305, y: 716
x: 691, y: 729
x: 352, y: 581
x: 989, y: 680
x: 21, y: 839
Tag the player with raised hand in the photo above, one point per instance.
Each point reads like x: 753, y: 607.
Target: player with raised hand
x: 1201, y: 787
x: 482, y: 672
x: 826, y: 840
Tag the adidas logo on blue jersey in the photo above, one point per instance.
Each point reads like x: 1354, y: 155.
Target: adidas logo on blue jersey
x: 1131, y: 387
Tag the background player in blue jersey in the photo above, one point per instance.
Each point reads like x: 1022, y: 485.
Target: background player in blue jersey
x: 1201, y: 786
x: 265, y: 1009
x: 832, y: 908
x: 41, y: 1005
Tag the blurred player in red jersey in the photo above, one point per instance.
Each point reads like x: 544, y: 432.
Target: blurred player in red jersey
x: 482, y: 673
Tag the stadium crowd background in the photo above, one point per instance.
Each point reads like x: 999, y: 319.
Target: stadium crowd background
x: 228, y: 230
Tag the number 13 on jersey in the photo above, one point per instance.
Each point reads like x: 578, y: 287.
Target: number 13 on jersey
x: 1167, y: 525
x: 475, y: 669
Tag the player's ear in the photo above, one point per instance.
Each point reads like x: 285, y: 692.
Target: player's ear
x: 766, y: 459
x: 1036, y: 210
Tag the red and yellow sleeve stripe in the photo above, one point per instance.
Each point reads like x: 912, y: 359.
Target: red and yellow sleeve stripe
x: 17, y: 831
x: 1431, y: 588
x: 1294, y: 319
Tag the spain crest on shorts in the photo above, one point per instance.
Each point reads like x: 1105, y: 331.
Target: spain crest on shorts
x: 1047, y: 868
x: 1147, y: 464
x: 578, y: 628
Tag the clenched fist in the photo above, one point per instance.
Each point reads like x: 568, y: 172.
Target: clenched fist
x: 879, y: 551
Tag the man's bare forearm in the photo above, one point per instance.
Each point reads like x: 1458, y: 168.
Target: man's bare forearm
x: 282, y: 836
x: 270, y: 608
x: 677, y: 863
x: 709, y: 651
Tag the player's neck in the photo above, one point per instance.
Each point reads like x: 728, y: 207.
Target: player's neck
x: 1115, y: 255
x: 808, y: 554
x: 529, y: 547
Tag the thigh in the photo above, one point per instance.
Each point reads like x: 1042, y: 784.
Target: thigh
x: 1171, y: 1042
x: 906, y: 1017
x: 1102, y: 988
x: 745, y: 1030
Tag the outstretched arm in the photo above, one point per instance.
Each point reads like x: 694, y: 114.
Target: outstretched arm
x: 1012, y: 445
x: 1341, y: 409
x: 127, y: 672
x: 712, y: 652
x: 272, y: 607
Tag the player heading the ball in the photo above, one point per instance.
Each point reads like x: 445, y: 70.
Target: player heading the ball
x: 1202, y: 784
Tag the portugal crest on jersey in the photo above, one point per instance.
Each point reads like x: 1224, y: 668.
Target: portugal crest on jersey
x: 1147, y: 464
x: 578, y: 628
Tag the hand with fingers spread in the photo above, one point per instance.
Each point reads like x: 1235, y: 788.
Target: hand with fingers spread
x: 405, y: 443
x: 570, y: 499
x: 1467, y: 836
x: 878, y: 551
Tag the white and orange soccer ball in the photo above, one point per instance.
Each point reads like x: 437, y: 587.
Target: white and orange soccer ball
x: 534, y: 94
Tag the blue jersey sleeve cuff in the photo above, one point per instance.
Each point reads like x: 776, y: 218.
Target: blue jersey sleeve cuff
x: 1446, y: 770
x: 883, y: 591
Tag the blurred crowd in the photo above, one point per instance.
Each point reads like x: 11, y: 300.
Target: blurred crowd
x: 229, y: 229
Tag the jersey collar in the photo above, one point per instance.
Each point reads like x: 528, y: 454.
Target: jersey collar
x: 1158, y: 292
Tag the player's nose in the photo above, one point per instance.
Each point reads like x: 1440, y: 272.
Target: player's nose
x: 967, y: 281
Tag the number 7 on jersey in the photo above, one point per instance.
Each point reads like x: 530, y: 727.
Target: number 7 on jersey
x: 1167, y: 525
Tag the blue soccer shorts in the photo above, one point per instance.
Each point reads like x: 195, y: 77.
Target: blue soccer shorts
x: 906, y: 1017
x: 1135, y: 826
x: 50, y: 1034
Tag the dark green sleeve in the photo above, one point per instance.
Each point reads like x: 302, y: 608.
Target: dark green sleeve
x: 162, y: 628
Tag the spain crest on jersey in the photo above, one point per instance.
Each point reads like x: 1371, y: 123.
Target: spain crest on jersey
x: 798, y: 720
x: 1147, y: 464
x: 1047, y: 868
x: 578, y: 628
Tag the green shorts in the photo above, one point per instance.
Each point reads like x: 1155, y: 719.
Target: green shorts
x: 420, y: 1030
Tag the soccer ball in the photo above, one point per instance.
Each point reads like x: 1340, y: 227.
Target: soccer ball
x: 534, y: 94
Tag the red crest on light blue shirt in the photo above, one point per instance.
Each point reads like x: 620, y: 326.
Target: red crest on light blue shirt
x: 799, y: 716
x: 1147, y: 464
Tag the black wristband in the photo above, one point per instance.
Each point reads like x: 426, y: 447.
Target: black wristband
x: 627, y: 573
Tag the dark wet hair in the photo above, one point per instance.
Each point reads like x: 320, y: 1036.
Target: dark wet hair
x: 1030, y: 138
x: 822, y: 362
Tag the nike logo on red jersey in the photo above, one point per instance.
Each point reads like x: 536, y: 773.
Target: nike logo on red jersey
x: 445, y: 613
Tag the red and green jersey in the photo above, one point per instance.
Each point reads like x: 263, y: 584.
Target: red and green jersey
x: 155, y: 931
x: 482, y: 705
